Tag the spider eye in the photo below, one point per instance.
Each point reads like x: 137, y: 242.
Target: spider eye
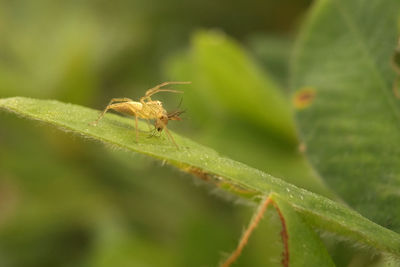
x: 159, y: 129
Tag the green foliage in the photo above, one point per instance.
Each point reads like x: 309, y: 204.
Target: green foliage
x: 273, y: 52
x: 351, y: 127
x: 69, y: 202
x: 194, y: 158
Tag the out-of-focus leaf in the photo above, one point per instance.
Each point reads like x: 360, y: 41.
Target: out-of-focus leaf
x: 62, y: 51
x: 209, y: 165
x: 348, y: 115
x: 116, y: 245
x: 234, y: 81
x: 273, y: 53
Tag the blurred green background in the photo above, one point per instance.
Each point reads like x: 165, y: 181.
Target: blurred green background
x: 65, y: 201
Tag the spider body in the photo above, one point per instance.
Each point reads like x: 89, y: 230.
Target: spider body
x: 146, y: 108
x: 149, y: 110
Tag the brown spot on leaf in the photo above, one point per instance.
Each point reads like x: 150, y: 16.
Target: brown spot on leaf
x: 304, y: 97
x: 302, y: 147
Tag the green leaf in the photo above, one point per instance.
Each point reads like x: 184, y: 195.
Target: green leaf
x: 248, y: 95
x: 348, y: 114
x: 208, y: 164
x: 273, y: 53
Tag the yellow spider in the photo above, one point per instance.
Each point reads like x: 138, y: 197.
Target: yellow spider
x: 146, y: 108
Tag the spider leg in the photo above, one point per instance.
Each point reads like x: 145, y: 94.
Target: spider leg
x: 108, y: 107
x: 157, y: 89
x: 170, y: 137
